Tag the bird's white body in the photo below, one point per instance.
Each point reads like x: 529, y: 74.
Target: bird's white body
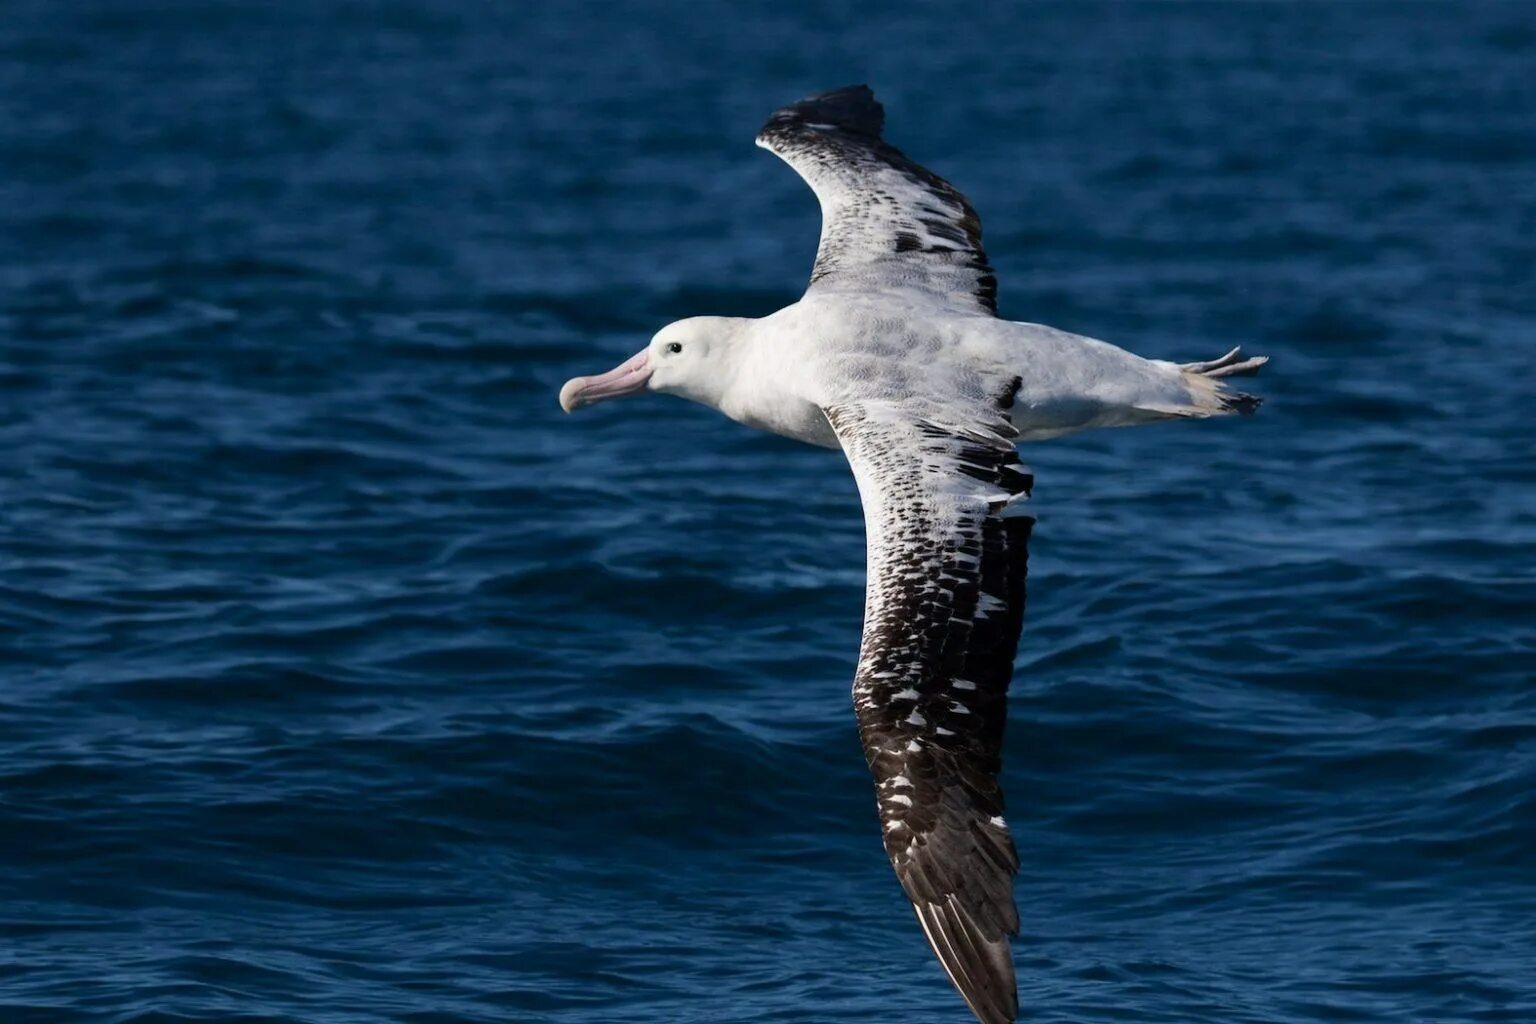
x: 782, y: 370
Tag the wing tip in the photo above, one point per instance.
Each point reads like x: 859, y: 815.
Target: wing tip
x: 852, y: 109
x: 985, y: 979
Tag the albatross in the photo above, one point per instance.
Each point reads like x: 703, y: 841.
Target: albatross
x: 896, y: 356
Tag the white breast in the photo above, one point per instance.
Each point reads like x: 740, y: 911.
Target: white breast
x: 779, y: 413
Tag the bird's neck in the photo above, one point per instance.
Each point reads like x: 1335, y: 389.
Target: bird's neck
x: 765, y: 388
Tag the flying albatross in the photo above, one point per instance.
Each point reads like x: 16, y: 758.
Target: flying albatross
x: 896, y: 355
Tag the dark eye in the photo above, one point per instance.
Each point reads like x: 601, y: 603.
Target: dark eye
x: 675, y: 347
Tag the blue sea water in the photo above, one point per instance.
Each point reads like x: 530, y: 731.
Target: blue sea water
x: 344, y: 679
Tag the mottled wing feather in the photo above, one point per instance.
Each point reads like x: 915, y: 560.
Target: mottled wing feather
x: 886, y: 222
x: 943, y: 609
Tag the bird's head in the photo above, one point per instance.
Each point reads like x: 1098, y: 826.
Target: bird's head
x: 691, y: 358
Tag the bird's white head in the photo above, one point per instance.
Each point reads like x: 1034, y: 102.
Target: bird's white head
x: 694, y: 359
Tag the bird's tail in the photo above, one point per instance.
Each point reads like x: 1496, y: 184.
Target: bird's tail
x: 1208, y: 392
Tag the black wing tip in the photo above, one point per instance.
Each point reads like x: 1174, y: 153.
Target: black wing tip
x: 853, y: 109
x: 980, y: 969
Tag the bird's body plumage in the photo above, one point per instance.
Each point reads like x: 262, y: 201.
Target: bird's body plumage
x: 835, y: 348
x: 896, y: 356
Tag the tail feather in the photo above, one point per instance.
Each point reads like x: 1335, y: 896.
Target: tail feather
x: 1209, y: 395
x: 1240, y: 402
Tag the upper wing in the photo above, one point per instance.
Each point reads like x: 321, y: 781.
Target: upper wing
x: 942, y: 613
x: 885, y: 221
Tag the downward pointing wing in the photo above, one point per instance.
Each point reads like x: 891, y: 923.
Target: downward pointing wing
x: 943, y: 609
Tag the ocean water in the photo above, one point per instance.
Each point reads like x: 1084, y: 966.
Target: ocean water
x: 344, y: 679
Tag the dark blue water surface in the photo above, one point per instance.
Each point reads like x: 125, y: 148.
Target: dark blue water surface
x: 347, y: 680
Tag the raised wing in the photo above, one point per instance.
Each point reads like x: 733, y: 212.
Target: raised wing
x: 886, y: 223
x: 942, y: 613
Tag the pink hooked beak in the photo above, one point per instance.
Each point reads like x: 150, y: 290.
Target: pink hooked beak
x: 625, y: 379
